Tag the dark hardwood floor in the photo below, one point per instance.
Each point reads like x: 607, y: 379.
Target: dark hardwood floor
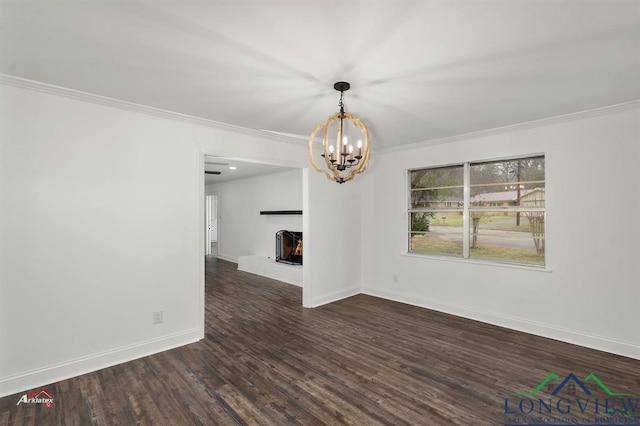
x: 360, y: 361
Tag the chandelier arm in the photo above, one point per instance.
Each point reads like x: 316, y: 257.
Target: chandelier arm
x: 332, y: 165
x: 362, y: 164
x: 310, y: 151
x: 334, y: 175
x: 325, y: 144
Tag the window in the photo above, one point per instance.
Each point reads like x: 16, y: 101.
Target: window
x: 493, y: 210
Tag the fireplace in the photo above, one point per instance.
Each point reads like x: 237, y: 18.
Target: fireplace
x: 289, y: 247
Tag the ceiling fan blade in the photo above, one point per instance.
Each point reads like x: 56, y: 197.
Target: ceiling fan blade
x: 211, y: 173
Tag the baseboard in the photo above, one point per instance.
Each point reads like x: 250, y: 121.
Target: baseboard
x: 227, y: 258
x: 627, y: 349
x: 334, y: 297
x: 65, y: 370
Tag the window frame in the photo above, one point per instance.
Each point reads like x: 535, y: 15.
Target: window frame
x: 467, y: 210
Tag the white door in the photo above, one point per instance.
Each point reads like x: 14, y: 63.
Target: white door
x: 207, y: 238
x: 211, y: 225
x: 214, y: 219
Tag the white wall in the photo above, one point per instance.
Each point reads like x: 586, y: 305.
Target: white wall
x: 101, y: 223
x: 332, y: 252
x: 591, y: 297
x: 99, y: 219
x: 243, y: 230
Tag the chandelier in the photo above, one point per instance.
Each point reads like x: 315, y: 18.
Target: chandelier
x: 343, y: 159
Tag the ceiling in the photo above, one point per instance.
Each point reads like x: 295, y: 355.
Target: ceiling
x: 419, y: 70
x: 235, y: 169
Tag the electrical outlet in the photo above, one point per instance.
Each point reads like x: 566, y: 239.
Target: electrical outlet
x: 157, y: 317
x: 395, y: 279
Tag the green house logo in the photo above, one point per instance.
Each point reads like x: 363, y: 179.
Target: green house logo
x: 572, y: 379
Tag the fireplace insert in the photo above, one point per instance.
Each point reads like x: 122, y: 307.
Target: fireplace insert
x: 289, y: 247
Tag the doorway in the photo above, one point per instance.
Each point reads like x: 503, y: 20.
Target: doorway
x: 211, y: 225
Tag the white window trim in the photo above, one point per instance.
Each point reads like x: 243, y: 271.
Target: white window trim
x: 482, y: 262
x: 465, y: 217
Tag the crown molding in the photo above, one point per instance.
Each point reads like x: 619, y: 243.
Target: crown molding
x: 282, y: 137
x: 143, y: 109
x: 610, y: 109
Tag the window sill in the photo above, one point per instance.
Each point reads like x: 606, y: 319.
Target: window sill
x: 479, y: 262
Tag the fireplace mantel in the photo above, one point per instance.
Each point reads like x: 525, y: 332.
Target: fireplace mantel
x: 281, y: 212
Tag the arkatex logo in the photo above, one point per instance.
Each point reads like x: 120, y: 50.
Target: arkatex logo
x: 37, y: 397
